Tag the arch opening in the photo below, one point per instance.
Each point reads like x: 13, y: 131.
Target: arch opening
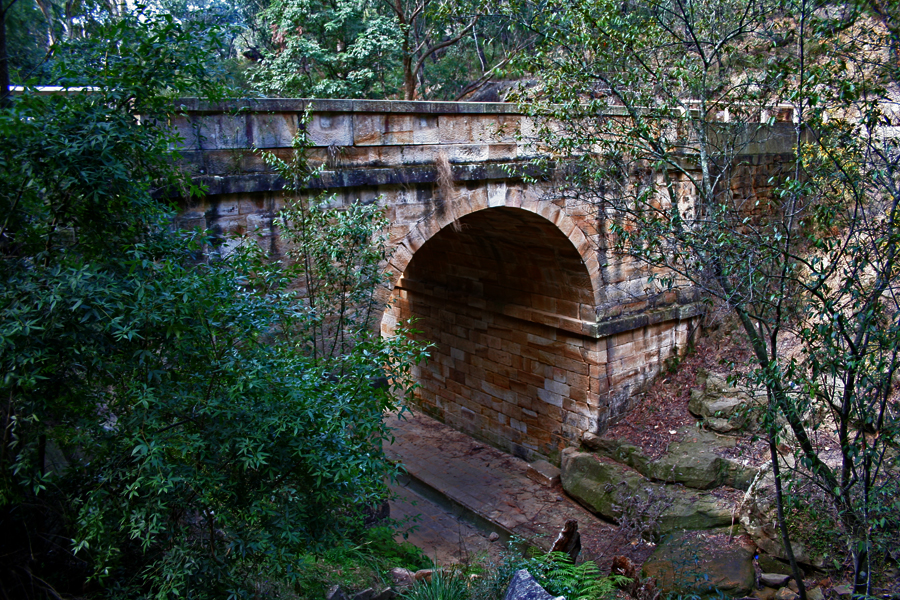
x: 506, y: 300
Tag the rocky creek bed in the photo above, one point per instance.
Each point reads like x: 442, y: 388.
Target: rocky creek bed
x: 691, y: 476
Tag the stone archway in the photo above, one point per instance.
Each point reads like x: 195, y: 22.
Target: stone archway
x: 501, y: 295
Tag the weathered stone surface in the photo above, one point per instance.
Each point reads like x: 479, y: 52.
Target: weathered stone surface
x: 524, y: 587
x: 785, y: 593
x: 775, y: 580
x: 770, y: 564
x: 617, y: 450
x: 815, y: 593
x: 335, y: 593
x: 766, y: 593
x: 769, y: 541
x: 692, y: 462
x: 689, y: 563
x: 536, y: 338
x: 366, y: 594
x: 720, y: 425
x: 603, y: 486
x: 423, y: 574
x: 842, y: 591
x: 723, y: 407
x: 543, y: 472
x: 402, y: 577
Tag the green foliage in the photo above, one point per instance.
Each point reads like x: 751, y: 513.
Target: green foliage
x: 656, y: 106
x: 379, y: 542
x: 443, y: 585
x: 375, y: 49
x: 366, y: 564
x: 164, y: 432
x: 347, y: 49
x: 26, y: 40
x: 555, y: 572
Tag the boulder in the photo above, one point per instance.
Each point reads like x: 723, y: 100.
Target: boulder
x: 773, y: 566
x: 842, y: 591
x: 524, y: 587
x: 692, y: 462
x: 618, y: 450
x: 768, y: 538
x: 423, y: 575
x: 775, y: 580
x: 402, y: 578
x: 786, y: 593
x: 765, y: 593
x: 604, y: 487
x: 335, y: 593
x: 723, y: 407
x: 815, y: 593
x: 701, y: 564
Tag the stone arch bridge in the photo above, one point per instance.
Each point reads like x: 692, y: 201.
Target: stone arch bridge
x: 539, y: 335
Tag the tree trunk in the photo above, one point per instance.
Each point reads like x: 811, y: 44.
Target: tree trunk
x: 409, y: 79
x: 779, y: 506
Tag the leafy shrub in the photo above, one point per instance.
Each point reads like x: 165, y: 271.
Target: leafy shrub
x: 169, y: 428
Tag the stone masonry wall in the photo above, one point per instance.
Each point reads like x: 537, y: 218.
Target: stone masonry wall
x: 539, y: 334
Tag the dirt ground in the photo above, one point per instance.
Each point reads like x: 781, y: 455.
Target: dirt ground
x: 663, y: 409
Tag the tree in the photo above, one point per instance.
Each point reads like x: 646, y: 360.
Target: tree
x: 455, y: 40
x: 382, y: 48
x: 655, y: 105
x: 427, y: 27
x: 347, y: 49
x: 162, y: 432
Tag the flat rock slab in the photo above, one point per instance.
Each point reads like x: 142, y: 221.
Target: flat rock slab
x: 490, y: 483
x: 605, y: 487
x: 543, y: 473
x: 703, y: 563
x: 692, y: 461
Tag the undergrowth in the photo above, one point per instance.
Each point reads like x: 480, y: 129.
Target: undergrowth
x: 358, y: 567
x: 555, y: 572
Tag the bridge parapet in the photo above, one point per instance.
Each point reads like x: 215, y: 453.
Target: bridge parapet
x: 353, y: 138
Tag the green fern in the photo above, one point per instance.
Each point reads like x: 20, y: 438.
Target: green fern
x: 578, y: 582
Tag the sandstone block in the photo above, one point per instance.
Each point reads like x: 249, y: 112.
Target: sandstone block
x: 604, y: 487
